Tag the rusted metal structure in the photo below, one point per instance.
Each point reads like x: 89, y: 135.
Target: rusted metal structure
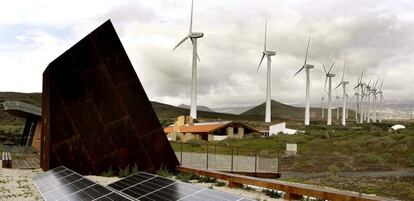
x: 32, y: 126
x: 96, y: 115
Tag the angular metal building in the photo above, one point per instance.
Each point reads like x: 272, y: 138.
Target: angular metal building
x: 96, y: 115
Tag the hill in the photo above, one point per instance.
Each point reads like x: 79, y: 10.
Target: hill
x: 283, y: 111
x: 168, y: 113
x: 199, y: 108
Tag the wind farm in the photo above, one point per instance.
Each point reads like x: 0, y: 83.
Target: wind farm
x: 207, y: 100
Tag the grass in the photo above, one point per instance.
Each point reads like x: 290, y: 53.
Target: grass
x: 396, y: 187
x: 353, y: 148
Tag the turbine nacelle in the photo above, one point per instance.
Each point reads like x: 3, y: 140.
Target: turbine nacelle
x: 330, y: 75
x: 269, y: 53
x: 308, y: 66
x: 196, y: 35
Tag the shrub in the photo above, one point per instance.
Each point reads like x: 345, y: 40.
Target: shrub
x: 108, y: 173
x: 186, y: 177
x: 164, y: 172
x: 272, y: 193
x: 371, y: 158
x: 124, y: 172
x: 411, y: 159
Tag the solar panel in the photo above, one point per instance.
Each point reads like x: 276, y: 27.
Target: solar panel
x: 148, y: 187
x: 64, y: 184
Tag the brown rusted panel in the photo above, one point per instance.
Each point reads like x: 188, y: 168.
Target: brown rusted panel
x: 96, y: 114
x: 36, y: 137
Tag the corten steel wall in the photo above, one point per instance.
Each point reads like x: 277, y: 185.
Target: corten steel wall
x: 96, y: 114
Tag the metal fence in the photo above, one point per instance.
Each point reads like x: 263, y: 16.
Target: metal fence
x: 226, y: 158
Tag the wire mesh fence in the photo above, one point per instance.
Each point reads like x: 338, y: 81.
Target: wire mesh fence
x: 226, y: 158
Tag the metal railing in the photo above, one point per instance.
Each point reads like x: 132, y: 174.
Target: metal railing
x: 226, y: 158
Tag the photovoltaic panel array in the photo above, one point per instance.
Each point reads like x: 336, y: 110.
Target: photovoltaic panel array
x: 148, y: 187
x: 64, y: 184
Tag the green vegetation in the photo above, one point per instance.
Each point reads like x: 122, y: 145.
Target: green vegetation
x: 272, y: 193
x: 397, y: 187
x: 353, y: 148
x: 128, y: 170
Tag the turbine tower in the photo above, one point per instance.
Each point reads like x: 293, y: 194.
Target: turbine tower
x: 374, y: 102
x: 323, y: 105
x: 343, y: 83
x: 358, y: 93
x: 307, y: 68
x: 268, y: 54
x: 357, y: 110
x: 193, y: 36
x: 329, y: 77
x: 381, y: 99
x: 337, y: 106
x: 368, y: 101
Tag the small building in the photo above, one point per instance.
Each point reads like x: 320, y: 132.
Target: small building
x: 281, y: 128
x: 32, y: 129
x: 184, y: 130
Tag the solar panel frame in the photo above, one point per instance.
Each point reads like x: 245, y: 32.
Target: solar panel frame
x: 64, y: 184
x: 150, y: 187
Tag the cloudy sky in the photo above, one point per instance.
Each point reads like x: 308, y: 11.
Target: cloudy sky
x: 372, y: 34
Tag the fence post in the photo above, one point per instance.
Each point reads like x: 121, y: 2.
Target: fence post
x: 278, y: 156
x: 232, y: 153
x: 181, y: 153
x: 191, y: 153
x: 207, y: 157
x: 255, y: 162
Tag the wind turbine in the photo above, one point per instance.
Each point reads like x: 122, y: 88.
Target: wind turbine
x: 358, y: 93
x: 329, y: 77
x: 193, y: 36
x: 381, y: 99
x: 268, y: 54
x: 357, y: 109
x: 337, y: 105
x: 374, y: 101
x: 343, y: 83
x: 307, y: 68
x: 368, y: 101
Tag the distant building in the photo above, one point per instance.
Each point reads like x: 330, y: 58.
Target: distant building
x: 281, y: 128
x: 32, y: 129
x: 184, y: 130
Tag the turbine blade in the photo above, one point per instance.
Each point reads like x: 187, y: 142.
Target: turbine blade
x: 299, y: 71
x: 381, y: 84
x: 324, y: 88
x: 307, y: 48
x: 331, y: 67
x: 324, y: 69
x: 197, y: 53
x: 191, y: 19
x: 265, y: 41
x: 343, y: 72
x: 338, y: 85
x: 362, y: 74
x: 376, y: 82
x: 182, y: 41
x: 261, y: 60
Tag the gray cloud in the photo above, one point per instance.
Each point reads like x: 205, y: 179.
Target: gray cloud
x: 376, y: 35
